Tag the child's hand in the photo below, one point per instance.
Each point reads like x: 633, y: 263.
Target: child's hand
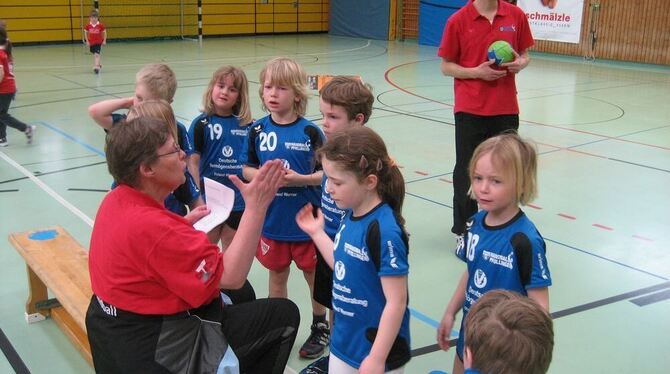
x: 196, y: 214
x: 444, y: 331
x: 307, y: 222
x: 371, y: 366
x: 292, y: 179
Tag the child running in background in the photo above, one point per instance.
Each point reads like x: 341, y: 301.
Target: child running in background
x: 504, y: 250
x: 287, y: 136
x: 96, y: 36
x: 152, y: 82
x: 8, y: 91
x: 345, y: 103
x: 218, y: 136
x: 369, y: 255
x: 501, y: 317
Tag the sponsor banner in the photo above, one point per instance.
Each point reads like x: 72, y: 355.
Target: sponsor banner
x: 555, y: 20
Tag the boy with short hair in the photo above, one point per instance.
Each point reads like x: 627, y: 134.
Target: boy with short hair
x: 345, y: 102
x: 96, y: 37
x: 153, y: 82
x: 499, y: 318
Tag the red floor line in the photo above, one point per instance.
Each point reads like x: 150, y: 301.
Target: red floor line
x: 421, y: 172
x: 602, y: 227
x: 567, y: 216
x: 643, y: 238
x: 585, y: 153
x: 534, y: 206
x: 446, y: 180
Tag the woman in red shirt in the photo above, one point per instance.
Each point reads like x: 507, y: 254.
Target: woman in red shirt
x: 7, y: 92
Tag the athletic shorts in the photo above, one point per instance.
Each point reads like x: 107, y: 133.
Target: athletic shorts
x: 277, y: 255
x: 233, y: 220
x: 323, y: 282
x: 95, y: 48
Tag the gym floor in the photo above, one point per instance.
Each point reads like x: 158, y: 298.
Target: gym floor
x: 602, y: 130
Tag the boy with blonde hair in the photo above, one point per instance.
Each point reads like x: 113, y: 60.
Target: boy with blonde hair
x: 152, y: 82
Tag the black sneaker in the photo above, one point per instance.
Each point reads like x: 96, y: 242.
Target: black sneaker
x: 3, y: 142
x: 96, y: 70
x: 30, y: 132
x: 317, y: 342
x: 319, y: 366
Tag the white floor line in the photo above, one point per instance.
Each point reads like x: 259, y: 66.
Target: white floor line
x: 48, y: 190
x: 289, y: 370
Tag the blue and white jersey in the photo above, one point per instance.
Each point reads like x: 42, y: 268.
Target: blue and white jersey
x: 332, y: 215
x: 366, y: 249
x: 509, y: 256
x: 220, y: 143
x: 295, y: 144
x: 184, y: 142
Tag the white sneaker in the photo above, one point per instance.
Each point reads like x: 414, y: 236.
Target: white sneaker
x: 30, y: 132
x: 3, y: 142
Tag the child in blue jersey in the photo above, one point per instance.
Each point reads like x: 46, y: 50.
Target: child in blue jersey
x: 153, y: 82
x: 345, y: 103
x: 369, y: 255
x: 218, y: 136
x: 286, y: 135
x: 501, y: 317
x: 503, y: 250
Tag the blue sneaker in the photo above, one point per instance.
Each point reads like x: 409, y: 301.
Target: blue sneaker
x: 319, y: 366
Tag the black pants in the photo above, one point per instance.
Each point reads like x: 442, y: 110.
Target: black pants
x: 261, y: 333
x: 6, y: 119
x: 472, y: 130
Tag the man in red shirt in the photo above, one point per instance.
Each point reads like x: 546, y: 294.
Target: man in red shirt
x: 96, y: 37
x: 485, y: 94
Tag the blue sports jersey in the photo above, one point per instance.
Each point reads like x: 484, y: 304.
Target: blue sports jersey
x: 220, y: 143
x: 295, y: 144
x: 332, y: 215
x: 366, y: 249
x: 510, y: 256
x: 184, y: 142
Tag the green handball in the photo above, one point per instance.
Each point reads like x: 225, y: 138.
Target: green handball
x: 500, y: 51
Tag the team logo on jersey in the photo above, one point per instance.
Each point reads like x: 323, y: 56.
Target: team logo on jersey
x: 357, y: 253
x: 264, y: 248
x: 394, y: 259
x: 542, y: 268
x: 480, y: 278
x: 510, y: 28
x: 287, y: 165
x: 227, y: 151
x: 497, y: 259
x: 201, y: 272
x: 339, y: 270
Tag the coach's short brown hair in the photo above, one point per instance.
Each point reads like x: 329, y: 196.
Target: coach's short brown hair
x: 133, y: 144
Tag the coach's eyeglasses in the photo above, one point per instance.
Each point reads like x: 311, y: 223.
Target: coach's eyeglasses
x: 176, y: 150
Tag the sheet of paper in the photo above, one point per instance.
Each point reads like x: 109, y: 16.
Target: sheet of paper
x: 220, y: 200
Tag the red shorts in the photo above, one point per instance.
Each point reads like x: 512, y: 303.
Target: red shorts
x: 277, y: 255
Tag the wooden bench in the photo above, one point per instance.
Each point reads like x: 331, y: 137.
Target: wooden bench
x: 55, y: 261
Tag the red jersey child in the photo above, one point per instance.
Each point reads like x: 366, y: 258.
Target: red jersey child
x: 96, y: 37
